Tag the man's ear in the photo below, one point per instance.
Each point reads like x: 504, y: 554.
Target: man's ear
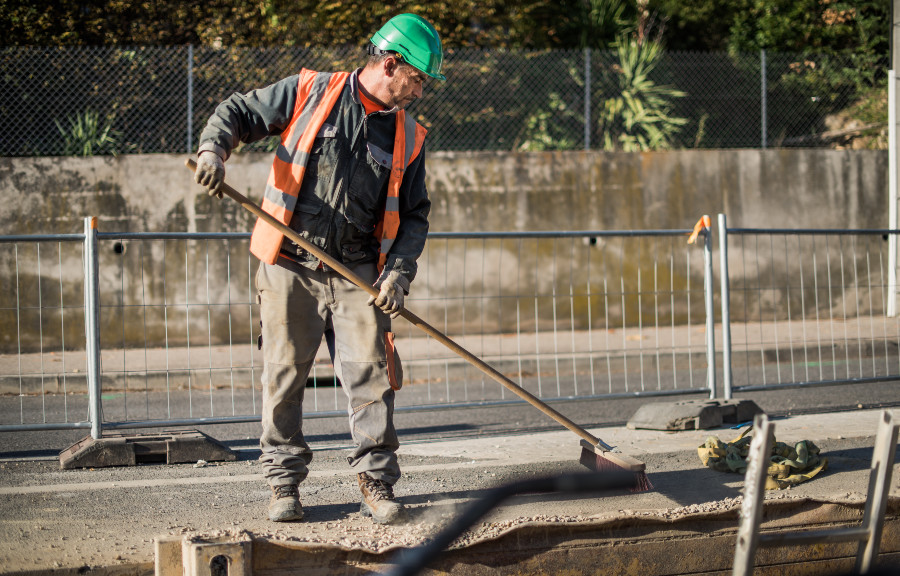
x: 390, y: 66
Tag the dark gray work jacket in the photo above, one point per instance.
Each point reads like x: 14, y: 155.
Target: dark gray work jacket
x: 342, y: 194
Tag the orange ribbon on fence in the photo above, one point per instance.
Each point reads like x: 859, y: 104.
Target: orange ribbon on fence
x: 702, y: 223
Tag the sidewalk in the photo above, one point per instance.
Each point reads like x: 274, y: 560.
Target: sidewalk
x: 65, y: 520
x: 616, y: 349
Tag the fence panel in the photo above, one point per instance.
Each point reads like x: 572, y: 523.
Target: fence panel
x: 42, y: 359
x: 810, y: 307
x: 568, y: 315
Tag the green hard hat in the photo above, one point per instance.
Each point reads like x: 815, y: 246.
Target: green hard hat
x: 415, y: 39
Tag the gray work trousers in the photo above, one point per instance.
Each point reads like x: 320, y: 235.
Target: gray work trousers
x: 295, y: 309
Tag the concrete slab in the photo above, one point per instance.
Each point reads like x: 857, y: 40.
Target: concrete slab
x: 170, y: 447
x: 693, y: 414
x: 107, y: 520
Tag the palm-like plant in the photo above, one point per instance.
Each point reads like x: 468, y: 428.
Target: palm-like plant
x: 638, y: 117
x: 87, y: 135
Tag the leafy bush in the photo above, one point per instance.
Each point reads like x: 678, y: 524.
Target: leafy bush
x: 88, y: 135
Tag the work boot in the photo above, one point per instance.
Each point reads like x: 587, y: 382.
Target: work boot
x: 285, y: 504
x: 378, y: 500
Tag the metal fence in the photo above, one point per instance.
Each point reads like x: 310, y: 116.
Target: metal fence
x: 42, y: 313
x: 172, y: 324
x: 160, y: 329
x: 806, y: 307
x: 103, y: 100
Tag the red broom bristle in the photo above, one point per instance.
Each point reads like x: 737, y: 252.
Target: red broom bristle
x: 641, y: 482
x: 598, y: 463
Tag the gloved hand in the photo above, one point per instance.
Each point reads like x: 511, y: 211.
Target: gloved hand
x: 390, y: 296
x: 210, y: 172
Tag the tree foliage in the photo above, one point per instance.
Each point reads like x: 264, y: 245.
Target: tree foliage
x: 803, y: 26
x: 619, y: 42
x: 462, y: 23
x: 699, y: 25
x: 819, y: 26
x: 102, y: 22
x: 708, y: 25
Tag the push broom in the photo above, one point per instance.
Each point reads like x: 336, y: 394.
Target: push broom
x: 595, y: 454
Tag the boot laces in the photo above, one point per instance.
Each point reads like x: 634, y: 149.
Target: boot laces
x: 378, y: 489
x: 286, y: 491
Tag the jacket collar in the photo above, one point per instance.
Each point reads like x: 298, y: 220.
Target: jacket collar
x: 353, y: 80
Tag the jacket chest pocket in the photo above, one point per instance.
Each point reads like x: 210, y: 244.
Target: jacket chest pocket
x: 366, y: 187
x: 321, y: 162
x: 305, y: 220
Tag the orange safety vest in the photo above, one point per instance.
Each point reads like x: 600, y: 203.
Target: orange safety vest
x: 317, y: 94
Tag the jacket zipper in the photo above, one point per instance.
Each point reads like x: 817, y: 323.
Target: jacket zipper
x: 341, y: 191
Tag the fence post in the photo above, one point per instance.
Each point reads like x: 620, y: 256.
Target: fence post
x: 92, y: 324
x: 710, y: 312
x: 587, y: 99
x: 190, y: 99
x: 726, y: 308
x: 762, y: 74
x: 892, y: 193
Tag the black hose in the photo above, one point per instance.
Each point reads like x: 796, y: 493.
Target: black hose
x: 411, y: 561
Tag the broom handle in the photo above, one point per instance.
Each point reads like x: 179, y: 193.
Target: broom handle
x: 415, y: 320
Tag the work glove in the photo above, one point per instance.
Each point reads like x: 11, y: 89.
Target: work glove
x: 391, y: 292
x: 210, y: 172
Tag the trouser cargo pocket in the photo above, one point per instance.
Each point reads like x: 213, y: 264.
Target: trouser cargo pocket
x: 395, y: 368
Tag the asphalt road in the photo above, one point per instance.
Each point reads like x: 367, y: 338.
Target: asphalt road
x: 415, y: 426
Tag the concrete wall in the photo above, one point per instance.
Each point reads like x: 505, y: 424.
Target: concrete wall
x: 476, y: 191
x: 482, y: 191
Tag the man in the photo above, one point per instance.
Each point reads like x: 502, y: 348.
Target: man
x: 349, y: 177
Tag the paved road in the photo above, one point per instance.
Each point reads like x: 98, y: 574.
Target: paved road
x: 72, y: 519
x: 460, y: 423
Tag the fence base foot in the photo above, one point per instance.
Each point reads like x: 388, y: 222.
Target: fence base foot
x: 167, y: 447
x: 693, y: 414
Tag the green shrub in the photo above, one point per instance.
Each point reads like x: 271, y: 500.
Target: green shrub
x: 88, y: 135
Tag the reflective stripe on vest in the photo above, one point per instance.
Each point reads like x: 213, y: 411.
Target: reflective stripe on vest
x: 408, y: 139
x: 317, y: 94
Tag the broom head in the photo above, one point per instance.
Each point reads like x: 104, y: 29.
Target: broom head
x: 600, y: 460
